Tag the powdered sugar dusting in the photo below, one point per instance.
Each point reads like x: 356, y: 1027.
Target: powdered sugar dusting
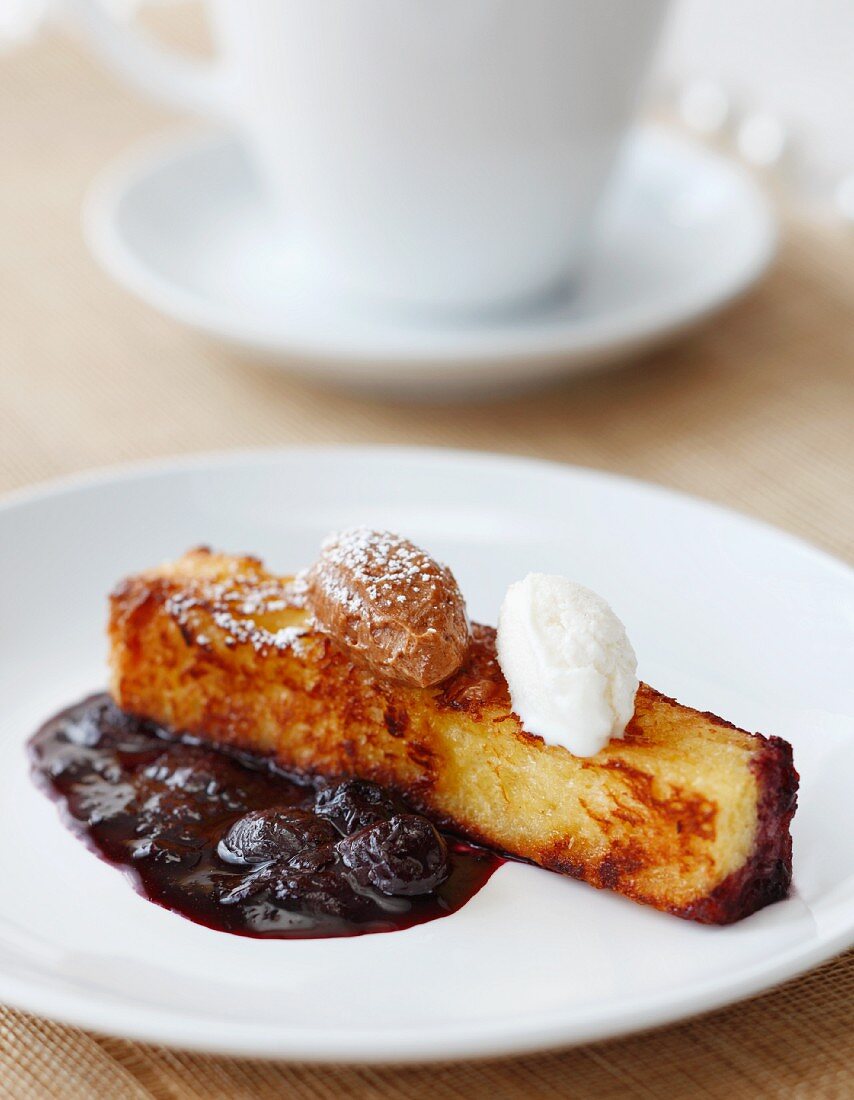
x: 389, y: 605
x: 234, y: 606
x: 380, y: 563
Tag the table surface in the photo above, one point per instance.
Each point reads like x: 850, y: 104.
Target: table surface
x: 754, y: 410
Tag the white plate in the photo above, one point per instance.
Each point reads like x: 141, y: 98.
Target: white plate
x: 183, y: 224
x: 725, y: 614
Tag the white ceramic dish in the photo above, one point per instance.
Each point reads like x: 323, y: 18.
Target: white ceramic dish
x: 725, y: 613
x: 182, y: 223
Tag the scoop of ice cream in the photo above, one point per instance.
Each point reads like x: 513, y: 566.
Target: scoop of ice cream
x: 568, y: 662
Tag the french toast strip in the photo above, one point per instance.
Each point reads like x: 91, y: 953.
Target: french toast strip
x: 687, y: 813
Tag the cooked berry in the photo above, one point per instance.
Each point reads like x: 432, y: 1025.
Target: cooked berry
x: 192, y: 770
x: 96, y: 799
x: 280, y: 833
x: 403, y: 857
x: 354, y: 803
x: 166, y: 849
x: 230, y: 843
x: 323, y: 891
x: 312, y: 859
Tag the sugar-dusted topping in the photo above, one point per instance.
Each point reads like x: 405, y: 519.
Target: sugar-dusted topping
x: 389, y: 605
x: 295, y: 589
x: 234, y: 607
x: 246, y: 631
x: 382, y: 567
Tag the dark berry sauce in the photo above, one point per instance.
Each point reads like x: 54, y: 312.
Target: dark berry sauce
x: 228, y: 841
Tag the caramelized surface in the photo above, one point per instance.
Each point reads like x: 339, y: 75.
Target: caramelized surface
x: 687, y: 813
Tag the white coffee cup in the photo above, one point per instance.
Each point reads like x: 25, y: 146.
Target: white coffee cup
x: 445, y: 155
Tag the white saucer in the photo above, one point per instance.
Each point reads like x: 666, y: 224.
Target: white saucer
x: 725, y: 614
x: 182, y: 223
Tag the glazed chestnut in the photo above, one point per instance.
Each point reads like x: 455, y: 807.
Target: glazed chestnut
x: 402, y: 857
x: 280, y: 833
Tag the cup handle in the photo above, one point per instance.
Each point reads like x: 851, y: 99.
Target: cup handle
x: 194, y: 86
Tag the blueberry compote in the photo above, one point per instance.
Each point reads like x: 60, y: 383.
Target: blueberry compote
x: 232, y: 843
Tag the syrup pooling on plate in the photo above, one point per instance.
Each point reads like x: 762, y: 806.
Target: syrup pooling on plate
x: 232, y: 844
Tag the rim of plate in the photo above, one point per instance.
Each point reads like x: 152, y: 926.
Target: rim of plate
x: 483, y: 347
x: 492, y: 1039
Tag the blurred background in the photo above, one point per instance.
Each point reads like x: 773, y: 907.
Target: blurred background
x: 776, y: 74
x: 753, y: 407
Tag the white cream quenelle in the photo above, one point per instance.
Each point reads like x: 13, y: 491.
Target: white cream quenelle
x: 568, y: 662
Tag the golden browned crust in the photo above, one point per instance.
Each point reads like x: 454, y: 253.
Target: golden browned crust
x: 687, y: 813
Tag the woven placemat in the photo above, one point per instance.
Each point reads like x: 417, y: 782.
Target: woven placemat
x: 754, y: 410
